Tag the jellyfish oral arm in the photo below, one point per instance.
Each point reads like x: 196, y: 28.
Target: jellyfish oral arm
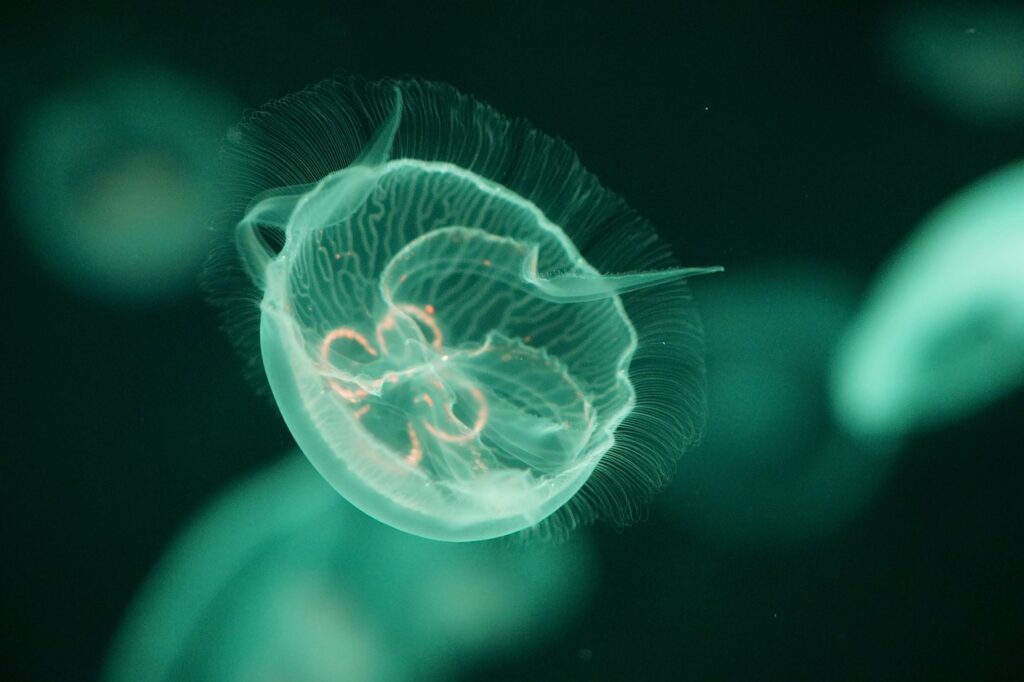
x: 273, y: 210
x: 581, y: 287
x: 514, y: 262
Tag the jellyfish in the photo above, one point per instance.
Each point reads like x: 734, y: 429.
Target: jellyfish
x: 114, y: 184
x: 965, y: 59
x: 280, y: 579
x: 461, y: 327
x: 773, y: 470
x: 942, y: 332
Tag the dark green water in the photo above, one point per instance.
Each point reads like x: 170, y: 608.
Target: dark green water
x: 748, y: 135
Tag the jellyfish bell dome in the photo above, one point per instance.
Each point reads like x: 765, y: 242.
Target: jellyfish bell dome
x: 114, y: 183
x: 773, y: 471
x: 964, y: 59
x: 440, y: 347
x: 942, y: 331
x: 278, y: 578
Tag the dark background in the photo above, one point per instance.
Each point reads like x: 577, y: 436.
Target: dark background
x: 747, y: 133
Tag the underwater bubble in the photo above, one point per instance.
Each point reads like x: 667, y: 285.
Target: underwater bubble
x: 460, y: 326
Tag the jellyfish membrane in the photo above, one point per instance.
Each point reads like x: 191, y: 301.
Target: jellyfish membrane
x: 281, y: 579
x: 773, y: 470
x: 964, y: 59
x: 942, y: 331
x: 437, y: 342
x: 114, y: 184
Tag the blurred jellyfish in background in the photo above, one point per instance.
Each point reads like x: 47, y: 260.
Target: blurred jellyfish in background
x: 282, y: 580
x: 966, y: 59
x: 112, y: 184
x: 773, y: 470
x: 942, y: 332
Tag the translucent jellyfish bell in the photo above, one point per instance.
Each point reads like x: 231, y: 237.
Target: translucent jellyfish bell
x: 281, y: 579
x: 772, y: 469
x: 440, y: 347
x: 114, y: 184
x: 943, y: 330
x: 964, y: 58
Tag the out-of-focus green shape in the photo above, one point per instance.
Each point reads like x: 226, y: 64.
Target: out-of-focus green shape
x: 281, y: 579
x: 942, y: 331
x: 439, y: 346
x: 113, y: 183
x: 772, y: 470
x: 965, y: 58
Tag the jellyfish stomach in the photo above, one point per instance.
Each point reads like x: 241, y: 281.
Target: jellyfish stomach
x: 457, y: 412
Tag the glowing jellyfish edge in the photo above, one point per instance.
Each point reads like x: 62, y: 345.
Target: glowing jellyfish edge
x: 942, y: 330
x: 519, y: 450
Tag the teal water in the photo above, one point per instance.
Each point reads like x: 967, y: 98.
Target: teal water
x: 751, y: 138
